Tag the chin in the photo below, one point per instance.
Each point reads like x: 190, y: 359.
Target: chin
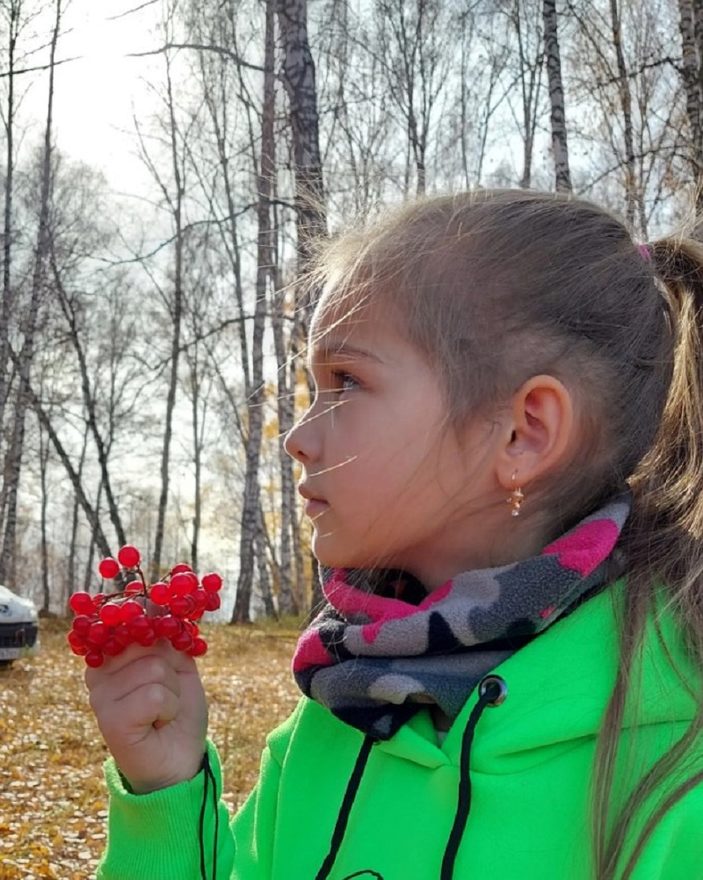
x: 339, y: 557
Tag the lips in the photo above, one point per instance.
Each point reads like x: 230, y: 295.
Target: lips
x: 310, y: 496
x: 314, y: 505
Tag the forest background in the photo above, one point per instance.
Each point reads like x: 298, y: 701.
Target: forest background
x: 152, y: 332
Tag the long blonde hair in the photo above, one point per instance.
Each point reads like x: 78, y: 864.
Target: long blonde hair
x: 497, y: 286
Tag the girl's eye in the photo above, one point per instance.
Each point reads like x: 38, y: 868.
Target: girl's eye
x: 345, y: 381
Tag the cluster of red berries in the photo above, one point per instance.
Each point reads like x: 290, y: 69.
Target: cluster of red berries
x: 105, y: 624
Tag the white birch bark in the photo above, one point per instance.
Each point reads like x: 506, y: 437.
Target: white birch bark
x: 556, y: 98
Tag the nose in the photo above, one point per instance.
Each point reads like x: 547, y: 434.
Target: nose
x: 302, y: 441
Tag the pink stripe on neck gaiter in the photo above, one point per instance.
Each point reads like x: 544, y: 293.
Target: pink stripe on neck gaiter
x: 585, y: 549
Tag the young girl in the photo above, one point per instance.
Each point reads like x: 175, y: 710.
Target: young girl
x: 503, y: 464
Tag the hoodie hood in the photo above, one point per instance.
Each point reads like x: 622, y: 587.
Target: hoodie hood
x: 573, y: 695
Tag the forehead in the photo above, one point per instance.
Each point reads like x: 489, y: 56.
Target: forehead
x: 371, y: 325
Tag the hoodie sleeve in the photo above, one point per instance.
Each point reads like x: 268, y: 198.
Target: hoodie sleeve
x: 185, y: 832
x: 170, y: 832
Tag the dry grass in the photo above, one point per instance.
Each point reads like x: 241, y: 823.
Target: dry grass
x: 52, y: 795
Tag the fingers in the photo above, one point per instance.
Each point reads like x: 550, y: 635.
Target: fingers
x: 148, y: 705
x: 137, y: 688
x: 150, y: 669
x: 115, y: 665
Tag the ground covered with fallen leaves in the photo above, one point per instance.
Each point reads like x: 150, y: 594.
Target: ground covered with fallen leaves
x: 52, y: 794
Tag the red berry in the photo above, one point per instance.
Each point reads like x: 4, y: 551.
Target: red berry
x: 129, y: 556
x: 147, y: 638
x: 167, y: 626
x: 213, y: 602
x: 179, y: 605
x: 212, y: 582
x: 159, y: 593
x: 81, y: 603
x: 98, y: 600
x: 94, y: 659
x: 81, y: 624
x: 131, y: 609
x: 78, y: 645
x: 200, y: 602
x: 97, y: 633
x: 112, y: 647
x: 182, y: 566
x: 182, y: 642
x: 198, y: 648
x: 182, y: 584
x: 110, y: 614
x: 121, y: 634
x: 191, y: 628
x: 108, y: 568
x: 138, y: 626
x: 133, y: 587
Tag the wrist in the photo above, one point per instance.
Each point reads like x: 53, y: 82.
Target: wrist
x: 148, y: 786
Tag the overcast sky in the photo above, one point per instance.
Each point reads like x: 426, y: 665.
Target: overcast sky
x: 95, y: 95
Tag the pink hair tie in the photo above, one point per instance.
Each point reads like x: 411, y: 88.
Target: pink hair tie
x: 645, y: 252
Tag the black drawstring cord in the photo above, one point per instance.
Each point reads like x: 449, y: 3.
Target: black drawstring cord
x: 492, y: 692
x: 343, y: 817
x: 209, y: 778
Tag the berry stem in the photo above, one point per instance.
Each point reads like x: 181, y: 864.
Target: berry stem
x: 121, y: 595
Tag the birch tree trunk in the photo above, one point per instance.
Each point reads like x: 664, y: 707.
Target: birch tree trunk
x: 95, y: 542
x: 72, y: 549
x: 299, y: 82
x: 13, y: 461
x: 691, y: 27
x: 198, y: 443
x: 530, y: 57
x: 556, y: 98
x: 311, y: 213
x: 249, y: 538
x: 13, y: 23
x: 292, y: 596
x: 263, y: 570
x: 626, y: 106
x: 44, y: 448
x: 176, y: 204
x: 284, y: 400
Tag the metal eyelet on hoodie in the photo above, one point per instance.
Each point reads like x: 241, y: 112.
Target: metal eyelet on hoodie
x: 492, y: 691
x: 497, y: 687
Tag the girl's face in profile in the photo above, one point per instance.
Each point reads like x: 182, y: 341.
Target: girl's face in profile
x: 391, y: 484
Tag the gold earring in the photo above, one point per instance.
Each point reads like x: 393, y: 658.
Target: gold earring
x: 516, y: 498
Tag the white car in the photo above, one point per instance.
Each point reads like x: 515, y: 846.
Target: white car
x: 19, y: 629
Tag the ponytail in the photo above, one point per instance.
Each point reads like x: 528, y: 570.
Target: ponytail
x: 670, y: 481
x: 664, y: 545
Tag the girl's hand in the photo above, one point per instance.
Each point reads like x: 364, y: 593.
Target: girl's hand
x: 151, y: 710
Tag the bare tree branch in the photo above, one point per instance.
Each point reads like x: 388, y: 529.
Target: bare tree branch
x: 4, y: 73
x: 220, y: 50
x: 131, y: 11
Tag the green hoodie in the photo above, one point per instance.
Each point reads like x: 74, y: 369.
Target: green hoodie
x: 513, y: 782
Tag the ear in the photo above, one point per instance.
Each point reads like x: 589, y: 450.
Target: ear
x: 541, y: 424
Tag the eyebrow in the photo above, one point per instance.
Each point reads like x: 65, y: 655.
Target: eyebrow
x: 333, y: 348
